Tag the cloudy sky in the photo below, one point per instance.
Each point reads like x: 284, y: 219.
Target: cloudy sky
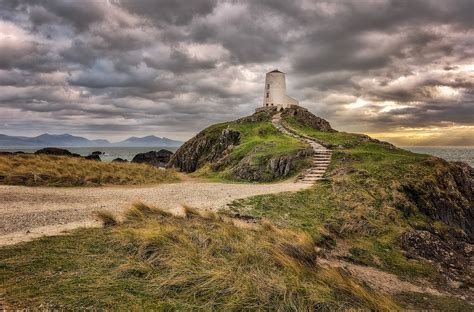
x: 400, y: 70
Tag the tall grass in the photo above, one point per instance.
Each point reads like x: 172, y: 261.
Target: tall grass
x: 41, y: 170
x: 358, y: 204
x: 153, y: 260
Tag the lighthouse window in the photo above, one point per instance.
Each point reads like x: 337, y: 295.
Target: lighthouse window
x: 268, y: 86
x: 268, y: 95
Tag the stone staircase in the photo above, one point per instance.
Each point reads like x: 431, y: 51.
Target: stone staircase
x: 321, y: 158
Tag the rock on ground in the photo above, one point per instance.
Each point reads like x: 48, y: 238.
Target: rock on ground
x: 153, y: 158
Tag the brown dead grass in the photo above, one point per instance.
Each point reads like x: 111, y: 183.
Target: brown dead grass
x: 152, y: 260
x: 46, y: 170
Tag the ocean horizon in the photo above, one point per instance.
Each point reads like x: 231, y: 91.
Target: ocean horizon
x: 450, y: 153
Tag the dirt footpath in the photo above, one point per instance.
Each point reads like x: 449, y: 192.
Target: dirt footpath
x: 30, y: 212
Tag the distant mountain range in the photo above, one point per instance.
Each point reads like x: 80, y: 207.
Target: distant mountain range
x: 65, y: 140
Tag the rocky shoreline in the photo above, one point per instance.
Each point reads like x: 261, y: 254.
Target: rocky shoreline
x: 154, y: 158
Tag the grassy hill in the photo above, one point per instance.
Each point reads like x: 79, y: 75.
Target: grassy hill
x: 384, y: 217
x: 399, y: 212
x: 241, y: 150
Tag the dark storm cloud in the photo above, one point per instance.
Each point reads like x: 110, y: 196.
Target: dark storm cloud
x: 153, y: 66
x: 178, y: 12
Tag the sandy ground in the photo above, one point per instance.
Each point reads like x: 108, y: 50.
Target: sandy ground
x: 30, y: 212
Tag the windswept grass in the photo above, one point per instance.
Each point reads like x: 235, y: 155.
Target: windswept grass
x: 426, y: 302
x: 44, y: 170
x: 360, y: 204
x: 152, y: 260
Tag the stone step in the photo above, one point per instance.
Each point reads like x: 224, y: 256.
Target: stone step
x: 309, y: 181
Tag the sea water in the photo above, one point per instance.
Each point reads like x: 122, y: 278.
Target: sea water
x: 109, y: 153
x: 450, y: 153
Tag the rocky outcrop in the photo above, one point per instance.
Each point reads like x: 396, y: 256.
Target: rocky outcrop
x: 423, y: 244
x: 120, y: 160
x: 56, y: 152
x: 451, y: 254
x: 447, y: 197
x: 93, y: 156
x: 153, y: 158
x: 277, y: 167
x: 206, y: 147
x: 306, y: 118
x: 281, y: 166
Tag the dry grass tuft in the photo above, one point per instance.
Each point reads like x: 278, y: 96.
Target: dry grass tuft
x: 47, y: 170
x: 192, y: 212
x: 107, y: 218
x: 140, y: 211
x: 371, y: 301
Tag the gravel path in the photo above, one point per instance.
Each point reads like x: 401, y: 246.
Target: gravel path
x: 30, y: 212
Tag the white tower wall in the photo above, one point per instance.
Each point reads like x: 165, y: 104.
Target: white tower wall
x: 275, y: 91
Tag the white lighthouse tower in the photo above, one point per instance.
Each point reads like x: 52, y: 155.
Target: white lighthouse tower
x: 275, y: 91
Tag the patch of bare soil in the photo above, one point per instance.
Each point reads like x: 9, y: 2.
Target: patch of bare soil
x: 382, y: 281
x: 30, y: 212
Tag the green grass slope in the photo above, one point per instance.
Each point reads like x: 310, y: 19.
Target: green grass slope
x: 375, y: 194
x: 247, y: 159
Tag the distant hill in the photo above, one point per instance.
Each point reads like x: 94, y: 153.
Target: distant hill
x: 67, y: 140
x: 150, y: 140
x: 50, y: 140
